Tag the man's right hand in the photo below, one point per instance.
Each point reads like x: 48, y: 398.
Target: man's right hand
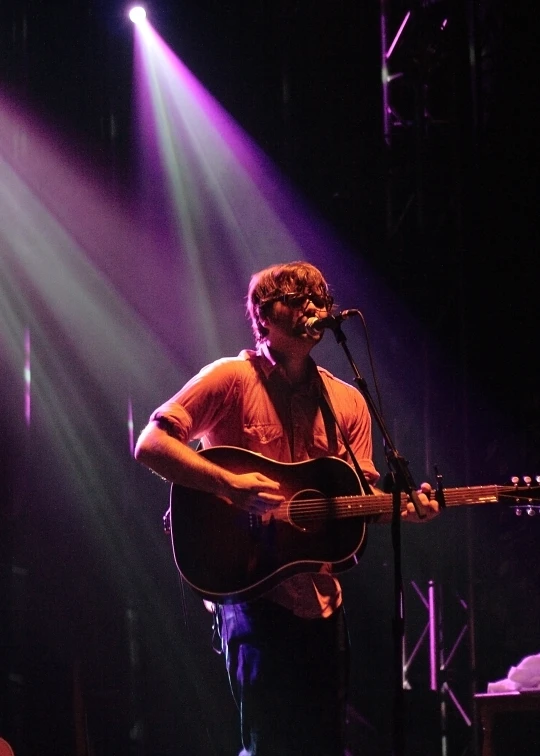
x: 178, y: 463
x: 255, y: 493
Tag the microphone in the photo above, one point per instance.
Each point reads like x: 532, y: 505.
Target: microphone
x: 313, y: 326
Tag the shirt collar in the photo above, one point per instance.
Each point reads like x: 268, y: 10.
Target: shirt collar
x: 270, y: 367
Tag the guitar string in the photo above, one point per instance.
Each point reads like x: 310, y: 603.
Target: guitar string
x: 358, y: 506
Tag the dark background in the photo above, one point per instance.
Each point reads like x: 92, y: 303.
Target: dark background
x: 86, y: 656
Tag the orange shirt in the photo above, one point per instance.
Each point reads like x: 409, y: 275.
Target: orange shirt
x: 248, y: 402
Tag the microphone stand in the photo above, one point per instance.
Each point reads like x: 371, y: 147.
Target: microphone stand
x: 402, y: 482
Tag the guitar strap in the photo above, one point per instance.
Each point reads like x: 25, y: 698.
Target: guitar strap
x: 327, y: 408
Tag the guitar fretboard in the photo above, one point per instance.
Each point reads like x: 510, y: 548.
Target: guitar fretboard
x: 340, y: 507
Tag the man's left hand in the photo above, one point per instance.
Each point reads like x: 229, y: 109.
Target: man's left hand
x: 431, y: 505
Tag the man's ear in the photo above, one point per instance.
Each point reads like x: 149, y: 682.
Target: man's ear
x: 263, y: 315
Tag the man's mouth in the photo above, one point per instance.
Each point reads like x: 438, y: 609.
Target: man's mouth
x: 299, y: 329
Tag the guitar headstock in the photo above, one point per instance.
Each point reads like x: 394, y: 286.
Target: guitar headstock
x: 525, y: 496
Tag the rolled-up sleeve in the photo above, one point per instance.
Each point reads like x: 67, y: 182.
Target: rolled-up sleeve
x: 202, y: 403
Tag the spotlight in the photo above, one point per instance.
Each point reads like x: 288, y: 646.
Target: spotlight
x: 137, y: 14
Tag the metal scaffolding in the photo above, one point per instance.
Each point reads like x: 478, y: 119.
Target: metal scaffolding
x: 429, y: 123
x: 442, y: 671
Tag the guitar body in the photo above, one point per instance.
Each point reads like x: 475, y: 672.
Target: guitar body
x: 229, y: 556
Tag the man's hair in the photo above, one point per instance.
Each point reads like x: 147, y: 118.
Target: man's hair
x: 268, y: 285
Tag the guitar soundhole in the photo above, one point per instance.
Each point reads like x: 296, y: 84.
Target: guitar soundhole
x: 309, y: 511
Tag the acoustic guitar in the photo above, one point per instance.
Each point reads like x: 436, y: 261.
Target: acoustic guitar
x: 228, y: 555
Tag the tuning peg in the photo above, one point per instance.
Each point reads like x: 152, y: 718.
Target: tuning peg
x: 527, y: 480
x: 518, y: 511
x: 530, y: 511
x: 515, y: 480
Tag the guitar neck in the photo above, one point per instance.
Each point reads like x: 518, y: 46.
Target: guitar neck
x: 340, y: 507
x: 453, y: 497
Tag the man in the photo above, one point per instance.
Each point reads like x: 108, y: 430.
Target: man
x: 287, y: 651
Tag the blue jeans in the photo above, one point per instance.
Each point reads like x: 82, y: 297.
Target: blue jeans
x: 289, y: 678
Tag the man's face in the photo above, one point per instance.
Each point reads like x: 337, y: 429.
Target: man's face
x: 285, y: 321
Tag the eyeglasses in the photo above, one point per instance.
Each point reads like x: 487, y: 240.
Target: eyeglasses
x: 299, y: 301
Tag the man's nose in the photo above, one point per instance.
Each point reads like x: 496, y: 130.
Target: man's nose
x: 309, y: 307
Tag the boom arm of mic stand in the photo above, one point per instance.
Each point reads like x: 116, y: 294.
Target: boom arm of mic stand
x: 398, y: 464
